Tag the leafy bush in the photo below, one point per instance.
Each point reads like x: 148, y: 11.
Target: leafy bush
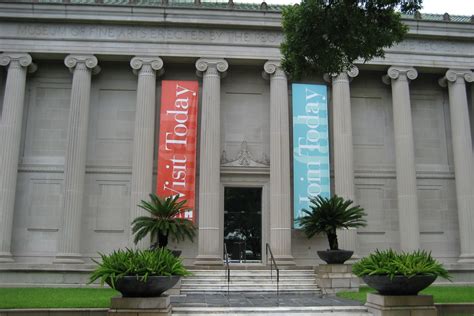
x: 391, y: 263
x: 139, y: 263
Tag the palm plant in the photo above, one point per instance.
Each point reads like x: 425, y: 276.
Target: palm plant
x: 329, y: 214
x: 163, y: 221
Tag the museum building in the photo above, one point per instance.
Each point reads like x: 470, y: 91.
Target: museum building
x: 81, y: 92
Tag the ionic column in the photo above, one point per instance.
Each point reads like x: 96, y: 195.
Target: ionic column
x: 280, y: 204
x: 343, y: 146
x: 10, y: 136
x: 456, y: 79
x: 82, y: 67
x: 210, y: 236
x: 409, y: 226
x: 143, y: 137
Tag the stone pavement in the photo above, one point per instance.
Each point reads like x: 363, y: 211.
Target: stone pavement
x: 258, y: 300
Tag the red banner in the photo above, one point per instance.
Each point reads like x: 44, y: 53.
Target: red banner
x: 177, y: 144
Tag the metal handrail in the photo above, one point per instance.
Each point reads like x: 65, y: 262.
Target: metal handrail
x: 227, y: 267
x: 273, y: 262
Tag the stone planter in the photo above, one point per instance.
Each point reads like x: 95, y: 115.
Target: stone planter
x: 131, y: 286
x: 334, y: 278
x: 335, y: 256
x: 399, y: 285
x: 386, y: 305
x: 140, y: 306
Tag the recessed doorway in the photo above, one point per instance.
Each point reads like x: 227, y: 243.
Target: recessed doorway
x: 243, y: 224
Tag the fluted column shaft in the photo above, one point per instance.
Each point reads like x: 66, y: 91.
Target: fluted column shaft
x: 143, y: 137
x: 210, y: 235
x: 10, y: 136
x: 405, y: 157
x: 462, y: 152
x: 343, y: 147
x: 280, y: 203
x: 75, y: 160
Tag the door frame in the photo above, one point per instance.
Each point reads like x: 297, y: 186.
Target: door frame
x: 247, y: 182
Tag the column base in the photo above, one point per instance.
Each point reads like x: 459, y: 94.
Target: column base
x: 6, y: 257
x: 466, y: 258
x: 68, y: 258
x: 206, y: 260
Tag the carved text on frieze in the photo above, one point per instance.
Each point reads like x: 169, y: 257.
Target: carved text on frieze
x: 142, y: 33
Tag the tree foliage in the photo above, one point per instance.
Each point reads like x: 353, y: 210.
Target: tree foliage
x: 327, y: 36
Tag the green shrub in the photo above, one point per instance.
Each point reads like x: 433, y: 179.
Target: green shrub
x: 139, y: 263
x: 391, y: 263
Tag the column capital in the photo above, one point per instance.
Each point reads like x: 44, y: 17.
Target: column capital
x: 18, y: 59
x: 211, y: 66
x: 452, y: 75
x: 272, y: 68
x: 147, y: 64
x: 342, y: 76
x: 399, y: 72
x: 85, y: 62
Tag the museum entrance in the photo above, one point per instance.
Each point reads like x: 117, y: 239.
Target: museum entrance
x: 243, y: 224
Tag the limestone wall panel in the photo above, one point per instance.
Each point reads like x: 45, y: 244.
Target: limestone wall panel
x: 245, y: 113
x: 105, y: 219
x: 431, y: 124
x: 372, y: 123
x: 36, y: 218
x: 439, y: 228
x: 47, y: 110
x: 112, y: 116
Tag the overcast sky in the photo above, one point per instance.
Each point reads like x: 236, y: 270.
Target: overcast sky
x: 454, y: 7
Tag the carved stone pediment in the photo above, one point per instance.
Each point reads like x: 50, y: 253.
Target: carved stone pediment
x: 244, y: 158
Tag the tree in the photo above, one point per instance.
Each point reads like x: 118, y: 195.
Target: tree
x: 327, y: 36
x: 163, y: 221
x: 327, y: 215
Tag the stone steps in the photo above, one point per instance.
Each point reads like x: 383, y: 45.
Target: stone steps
x: 274, y: 311
x: 215, y: 281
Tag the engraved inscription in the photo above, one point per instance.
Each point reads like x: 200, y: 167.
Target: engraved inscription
x: 142, y: 33
x: 431, y: 46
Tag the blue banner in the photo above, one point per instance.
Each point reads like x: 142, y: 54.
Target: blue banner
x: 310, y: 145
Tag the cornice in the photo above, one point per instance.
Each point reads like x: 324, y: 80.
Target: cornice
x: 461, y: 27
x: 140, y: 15
x: 115, y: 32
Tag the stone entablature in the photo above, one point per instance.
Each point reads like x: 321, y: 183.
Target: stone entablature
x: 249, y: 34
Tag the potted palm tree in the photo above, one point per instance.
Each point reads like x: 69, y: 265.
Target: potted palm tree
x: 327, y: 215
x: 163, y: 221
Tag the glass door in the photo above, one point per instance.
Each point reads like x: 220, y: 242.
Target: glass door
x: 243, y: 224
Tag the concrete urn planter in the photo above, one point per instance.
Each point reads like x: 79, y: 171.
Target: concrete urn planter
x: 131, y: 286
x: 399, y: 285
x: 335, y: 256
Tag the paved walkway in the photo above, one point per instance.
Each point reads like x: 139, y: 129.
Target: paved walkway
x: 259, y: 300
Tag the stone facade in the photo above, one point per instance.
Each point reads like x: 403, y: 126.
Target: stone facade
x: 78, y: 146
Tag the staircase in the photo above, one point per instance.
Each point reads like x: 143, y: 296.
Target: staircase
x: 273, y: 311
x: 215, y: 281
